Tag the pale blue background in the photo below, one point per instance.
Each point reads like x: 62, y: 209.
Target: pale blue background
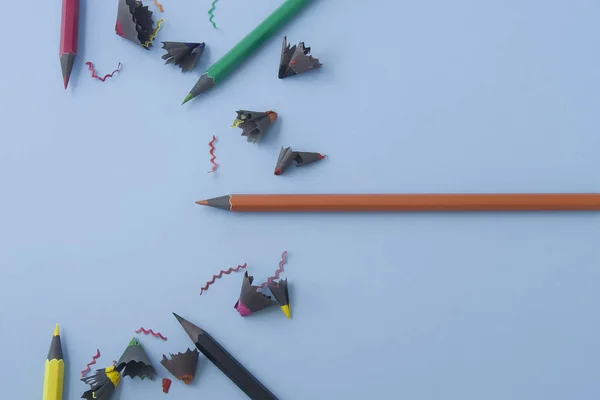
x: 99, y: 230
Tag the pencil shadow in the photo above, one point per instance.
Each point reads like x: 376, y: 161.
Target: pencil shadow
x: 65, y: 350
x: 303, y: 169
x: 202, y: 64
x: 202, y: 364
x: 116, y: 395
x: 265, y: 312
x: 303, y: 76
x: 271, y: 136
x: 272, y: 310
x: 291, y: 298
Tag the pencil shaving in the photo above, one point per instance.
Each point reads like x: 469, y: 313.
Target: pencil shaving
x: 212, y: 153
x: 219, y: 275
x: 87, y: 367
x: 102, y: 79
x: 159, y: 6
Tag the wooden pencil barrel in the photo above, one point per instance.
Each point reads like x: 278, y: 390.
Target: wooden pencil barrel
x: 414, y: 202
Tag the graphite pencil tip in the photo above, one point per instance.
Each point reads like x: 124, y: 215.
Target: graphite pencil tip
x: 55, y: 352
x: 66, y: 66
x: 223, y: 202
x: 192, y: 330
x: 204, y: 83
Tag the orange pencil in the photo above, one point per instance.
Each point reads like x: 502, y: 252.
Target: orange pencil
x: 405, y: 202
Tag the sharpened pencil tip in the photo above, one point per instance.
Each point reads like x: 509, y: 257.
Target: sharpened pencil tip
x: 56, y: 331
x: 223, y: 202
x: 66, y: 66
x: 187, y: 98
x: 286, y: 311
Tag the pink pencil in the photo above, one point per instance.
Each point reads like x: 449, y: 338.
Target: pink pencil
x: 68, y: 37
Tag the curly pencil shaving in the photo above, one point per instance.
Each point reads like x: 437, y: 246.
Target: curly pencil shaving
x: 219, y: 275
x: 151, y: 332
x: 102, y: 79
x: 87, y: 367
x: 148, y: 44
x: 277, y: 272
x: 159, y: 6
x: 212, y: 153
x: 212, y: 16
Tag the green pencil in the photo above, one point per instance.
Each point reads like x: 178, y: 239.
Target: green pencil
x: 245, y: 47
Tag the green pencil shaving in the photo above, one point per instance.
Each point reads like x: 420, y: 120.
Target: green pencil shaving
x: 245, y: 47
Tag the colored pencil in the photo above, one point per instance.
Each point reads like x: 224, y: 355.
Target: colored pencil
x: 404, y: 202
x: 225, y: 362
x: 55, y: 369
x: 246, y: 46
x: 69, y: 31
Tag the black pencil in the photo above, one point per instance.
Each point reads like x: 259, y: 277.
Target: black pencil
x: 225, y: 362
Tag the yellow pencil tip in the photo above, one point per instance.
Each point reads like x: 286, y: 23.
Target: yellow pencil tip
x: 286, y: 311
x: 56, y: 331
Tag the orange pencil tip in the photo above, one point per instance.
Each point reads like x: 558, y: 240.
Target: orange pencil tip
x: 202, y: 202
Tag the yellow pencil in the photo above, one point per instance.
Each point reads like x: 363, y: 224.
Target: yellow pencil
x: 55, y: 369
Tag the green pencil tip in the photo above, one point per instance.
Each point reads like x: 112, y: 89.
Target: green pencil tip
x: 187, y: 98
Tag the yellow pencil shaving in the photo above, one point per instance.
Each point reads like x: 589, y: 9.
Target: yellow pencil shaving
x: 113, y: 375
x: 151, y: 39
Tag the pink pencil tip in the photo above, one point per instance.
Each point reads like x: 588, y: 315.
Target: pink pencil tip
x: 66, y: 81
x: 321, y: 156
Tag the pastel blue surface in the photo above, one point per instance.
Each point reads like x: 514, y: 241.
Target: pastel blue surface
x: 99, y: 230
